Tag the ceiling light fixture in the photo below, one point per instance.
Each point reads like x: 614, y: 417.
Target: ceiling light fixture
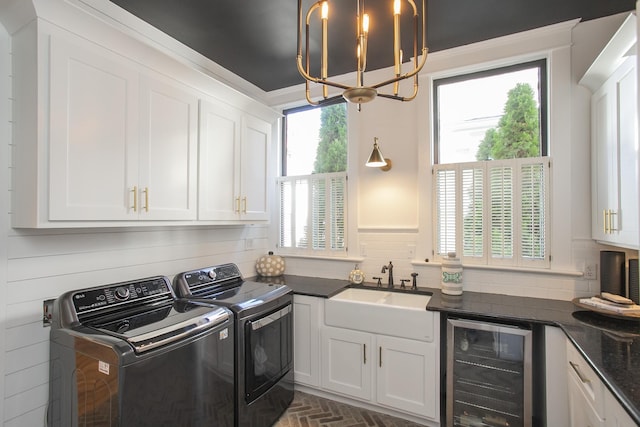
x: 360, y: 94
x: 376, y: 160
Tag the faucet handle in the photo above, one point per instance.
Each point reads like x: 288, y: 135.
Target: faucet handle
x: 402, y: 282
x: 379, y: 280
x: 414, y: 284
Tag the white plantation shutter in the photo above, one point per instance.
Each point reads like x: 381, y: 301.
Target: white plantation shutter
x: 294, y: 208
x: 534, y: 207
x: 312, y: 212
x: 445, y: 192
x: 473, y: 217
x: 318, y: 212
x: 501, y: 212
x: 497, y: 212
x: 338, y: 192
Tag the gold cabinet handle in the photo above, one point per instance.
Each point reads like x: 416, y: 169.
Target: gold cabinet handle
x: 146, y: 199
x: 237, y: 204
x: 612, y: 213
x: 605, y: 221
x: 135, y: 198
x: 579, y: 373
x: 244, y: 204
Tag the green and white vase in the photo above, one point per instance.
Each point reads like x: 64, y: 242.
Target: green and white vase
x: 451, y: 282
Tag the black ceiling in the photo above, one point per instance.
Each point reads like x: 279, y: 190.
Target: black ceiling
x: 256, y: 39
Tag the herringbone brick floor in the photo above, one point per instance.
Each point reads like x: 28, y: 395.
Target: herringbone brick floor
x: 308, y: 410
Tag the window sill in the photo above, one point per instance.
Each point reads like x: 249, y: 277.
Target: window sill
x: 569, y: 273
x: 350, y: 259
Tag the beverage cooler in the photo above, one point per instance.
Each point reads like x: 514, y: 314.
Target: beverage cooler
x: 489, y: 368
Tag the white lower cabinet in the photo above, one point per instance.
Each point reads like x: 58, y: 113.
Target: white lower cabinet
x: 581, y: 412
x: 347, y: 364
x: 614, y: 414
x: 394, y: 372
x: 591, y: 404
x: 407, y: 376
x: 307, y: 312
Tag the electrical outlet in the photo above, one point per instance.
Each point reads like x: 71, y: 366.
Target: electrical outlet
x: 591, y: 271
x: 248, y: 244
x: 363, y: 249
x: 47, y: 312
x: 411, y: 251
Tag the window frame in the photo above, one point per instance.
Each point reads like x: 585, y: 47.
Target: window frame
x: 520, y: 262
x: 543, y: 90
x: 309, y: 250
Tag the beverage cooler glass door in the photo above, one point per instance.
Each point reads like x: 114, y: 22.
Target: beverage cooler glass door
x: 488, y: 374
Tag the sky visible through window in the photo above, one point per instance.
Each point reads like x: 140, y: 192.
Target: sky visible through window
x: 303, y: 129
x: 468, y: 108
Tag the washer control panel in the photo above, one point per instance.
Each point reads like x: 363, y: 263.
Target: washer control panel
x: 212, y: 275
x: 93, y: 299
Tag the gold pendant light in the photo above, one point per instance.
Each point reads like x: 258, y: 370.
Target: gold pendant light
x: 360, y: 93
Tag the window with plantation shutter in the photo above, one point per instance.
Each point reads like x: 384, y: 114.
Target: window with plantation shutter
x: 494, y: 212
x: 491, y: 166
x: 312, y: 212
x: 313, y: 186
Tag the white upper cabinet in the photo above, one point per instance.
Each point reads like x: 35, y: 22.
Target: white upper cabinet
x: 254, y: 184
x: 107, y: 132
x: 168, y: 168
x: 234, y: 155
x: 123, y: 144
x: 614, y: 139
x: 93, y: 116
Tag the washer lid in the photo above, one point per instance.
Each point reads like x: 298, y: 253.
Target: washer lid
x: 162, y: 325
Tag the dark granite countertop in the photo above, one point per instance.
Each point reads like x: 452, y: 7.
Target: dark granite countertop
x: 310, y: 286
x: 611, y: 345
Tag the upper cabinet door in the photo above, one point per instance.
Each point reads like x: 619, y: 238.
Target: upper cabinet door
x: 219, y: 159
x: 167, y: 181
x: 614, y: 137
x: 627, y: 132
x: 256, y: 143
x: 234, y: 152
x: 93, y: 115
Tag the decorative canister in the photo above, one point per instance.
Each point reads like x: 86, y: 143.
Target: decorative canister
x: 270, y: 265
x: 451, y: 275
x: 356, y: 276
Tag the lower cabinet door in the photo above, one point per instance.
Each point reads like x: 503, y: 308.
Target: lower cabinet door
x: 347, y: 364
x: 582, y: 414
x: 407, y: 377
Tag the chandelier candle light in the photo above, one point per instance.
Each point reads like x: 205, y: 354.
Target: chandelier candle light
x: 360, y: 93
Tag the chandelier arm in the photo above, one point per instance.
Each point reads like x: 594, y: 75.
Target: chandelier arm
x: 318, y: 80
x: 412, y: 73
x: 404, y: 98
x: 307, y: 94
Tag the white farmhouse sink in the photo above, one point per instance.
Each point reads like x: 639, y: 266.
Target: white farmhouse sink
x: 388, y: 298
x: 381, y: 312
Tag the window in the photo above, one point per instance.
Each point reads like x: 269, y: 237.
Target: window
x: 491, y: 173
x: 313, y: 186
